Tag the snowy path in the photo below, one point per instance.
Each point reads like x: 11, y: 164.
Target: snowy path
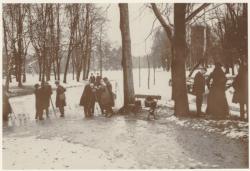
x: 117, y: 142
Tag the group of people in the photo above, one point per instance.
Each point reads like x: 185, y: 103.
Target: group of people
x: 98, y: 90
x: 43, y: 94
x: 217, y: 104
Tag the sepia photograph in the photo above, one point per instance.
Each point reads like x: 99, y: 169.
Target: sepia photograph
x: 121, y: 85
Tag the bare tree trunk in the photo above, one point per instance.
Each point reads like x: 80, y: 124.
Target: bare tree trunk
x: 19, y: 45
x: 58, y: 41
x: 179, y: 73
x: 24, y: 71
x: 148, y: 72
x: 154, y: 73
x: 7, y: 56
x: 139, y: 71
x: 100, y: 51
x: 128, y: 84
x: 73, y: 68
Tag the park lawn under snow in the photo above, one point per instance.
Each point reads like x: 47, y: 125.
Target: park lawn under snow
x: 235, y: 129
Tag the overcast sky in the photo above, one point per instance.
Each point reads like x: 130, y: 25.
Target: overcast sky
x: 140, y: 19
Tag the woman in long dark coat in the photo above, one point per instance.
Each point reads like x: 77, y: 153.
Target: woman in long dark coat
x: 217, y: 105
x: 88, y: 100
x: 6, y: 106
x: 60, y: 98
x: 240, y: 86
x: 107, y: 98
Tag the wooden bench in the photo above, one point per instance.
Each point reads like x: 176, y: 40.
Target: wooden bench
x: 150, y: 104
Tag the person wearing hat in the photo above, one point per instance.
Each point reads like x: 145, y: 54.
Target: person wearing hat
x: 38, y: 102
x: 88, y: 99
x: 217, y: 105
x: 240, y: 86
x: 6, y: 105
x: 60, y: 98
x: 199, y: 88
x: 47, y: 95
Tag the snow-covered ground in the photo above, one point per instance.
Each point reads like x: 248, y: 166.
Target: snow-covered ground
x: 122, y: 141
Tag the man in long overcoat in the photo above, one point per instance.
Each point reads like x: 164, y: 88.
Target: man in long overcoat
x: 60, y: 98
x: 88, y: 99
x: 240, y: 86
x: 6, y: 106
x: 47, y: 94
x: 199, y: 89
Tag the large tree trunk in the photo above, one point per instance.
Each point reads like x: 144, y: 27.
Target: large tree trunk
x: 128, y: 83
x: 58, y: 41
x: 20, y: 46
x: 148, y: 72
x: 179, y: 75
x: 7, y: 56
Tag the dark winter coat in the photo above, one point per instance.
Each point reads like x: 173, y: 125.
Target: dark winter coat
x: 59, y: 91
x: 37, y: 97
x: 88, y: 96
x: 217, y: 104
x: 107, y: 99
x: 240, y: 86
x: 98, y: 80
x: 92, y: 79
x: 45, y: 96
x: 199, y: 84
x: 6, y: 107
x: 47, y: 93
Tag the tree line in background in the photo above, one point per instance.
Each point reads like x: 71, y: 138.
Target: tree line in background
x: 220, y: 35
x: 70, y: 34
x: 56, y: 34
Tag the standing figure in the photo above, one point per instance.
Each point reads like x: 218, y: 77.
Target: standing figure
x: 92, y: 78
x: 217, y: 104
x: 240, y: 86
x: 46, y: 95
x: 107, y: 99
x: 88, y: 100
x: 199, y: 89
x: 98, y: 79
x: 99, y: 90
x: 36, y: 92
x: 6, y: 106
x: 39, y: 95
x: 60, y: 98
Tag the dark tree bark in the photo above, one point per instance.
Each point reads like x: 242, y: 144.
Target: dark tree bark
x: 128, y: 83
x: 20, y: 49
x: 179, y: 74
x: 148, y: 72
x: 7, y: 56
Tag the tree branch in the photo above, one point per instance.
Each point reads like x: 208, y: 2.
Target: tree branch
x: 166, y: 27
x: 193, y: 14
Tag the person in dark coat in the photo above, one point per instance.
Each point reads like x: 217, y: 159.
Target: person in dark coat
x: 6, y: 106
x: 47, y: 94
x: 36, y: 92
x: 199, y: 88
x: 98, y: 80
x: 99, y: 90
x: 92, y: 78
x: 240, y: 86
x: 217, y: 104
x: 88, y: 100
x: 39, y: 96
x: 60, y: 98
x: 107, y: 98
